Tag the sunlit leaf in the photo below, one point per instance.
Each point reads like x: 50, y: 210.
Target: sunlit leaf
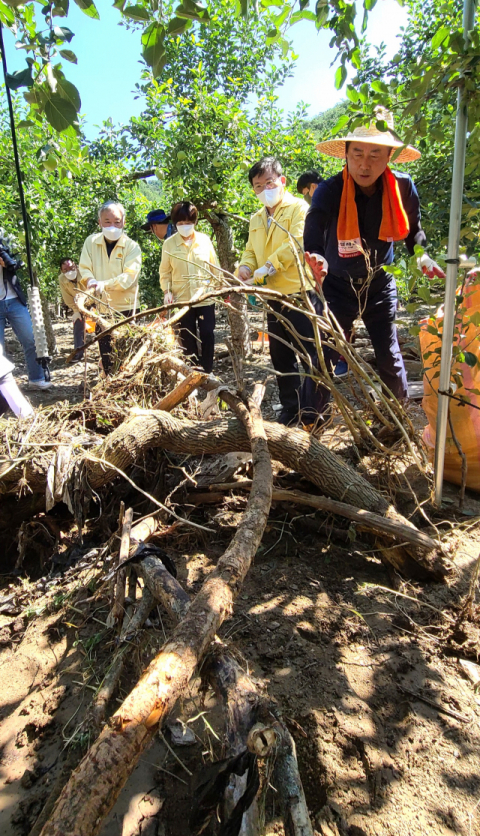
x: 60, y: 112
x: 88, y: 7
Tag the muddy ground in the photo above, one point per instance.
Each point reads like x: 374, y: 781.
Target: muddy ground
x: 385, y: 717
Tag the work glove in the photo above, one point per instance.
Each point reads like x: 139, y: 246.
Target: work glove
x: 429, y: 267
x: 260, y: 275
x: 473, y: 274
x: 92, y: 284
x: 168, y: 297
x: 319, y: 266
x: 76, y: 315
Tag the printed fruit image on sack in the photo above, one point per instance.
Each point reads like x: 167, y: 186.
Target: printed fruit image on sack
x: 465, y: 375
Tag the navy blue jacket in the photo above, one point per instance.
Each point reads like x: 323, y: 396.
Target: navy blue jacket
x: 320, y: 234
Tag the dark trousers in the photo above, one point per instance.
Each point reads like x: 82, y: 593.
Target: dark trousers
x: 79, y: 336
x: 296, y: 397
x: 105, y: 346
x: 201, y: 320
x: 377, y: 306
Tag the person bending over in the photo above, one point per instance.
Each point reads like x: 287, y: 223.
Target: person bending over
x: 110, y: 264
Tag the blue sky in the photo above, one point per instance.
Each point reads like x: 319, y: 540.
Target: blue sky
x: 109, y: 67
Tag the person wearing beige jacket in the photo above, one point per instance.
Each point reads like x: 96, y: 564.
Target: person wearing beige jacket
x: 109, y: 266
x: 188, y: 258
x: 68, y: 281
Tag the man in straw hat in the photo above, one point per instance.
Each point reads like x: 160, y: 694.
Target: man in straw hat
x: 350, y: 229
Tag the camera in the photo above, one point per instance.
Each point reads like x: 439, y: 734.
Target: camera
x: 10, y: 262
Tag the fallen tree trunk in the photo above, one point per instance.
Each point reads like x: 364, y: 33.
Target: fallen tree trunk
x: 94, y: 786
x: 296, y: 449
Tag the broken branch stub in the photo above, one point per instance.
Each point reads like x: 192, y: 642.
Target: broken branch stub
x: 95, y: 785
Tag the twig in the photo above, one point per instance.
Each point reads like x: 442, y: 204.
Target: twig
x: 149, y: 496
x: 441, y: 708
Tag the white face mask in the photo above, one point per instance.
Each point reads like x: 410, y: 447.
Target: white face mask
x: 112, y: 233
x: 185, y: 230
x: 71, y: 274
x: 270, y: 197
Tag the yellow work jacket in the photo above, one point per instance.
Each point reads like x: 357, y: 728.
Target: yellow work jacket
x: 272, y: 244
x: 69, y: 290
x: 119, y: 272
x: 182, y: 268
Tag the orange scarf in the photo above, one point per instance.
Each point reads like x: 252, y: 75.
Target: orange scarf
x: 394, y: 225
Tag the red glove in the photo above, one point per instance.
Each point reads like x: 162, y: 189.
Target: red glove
x: 319, y: 267
x: 429, y: 267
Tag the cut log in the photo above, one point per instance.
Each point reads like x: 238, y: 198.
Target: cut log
x: 95, y: 785
x: 182, y: 391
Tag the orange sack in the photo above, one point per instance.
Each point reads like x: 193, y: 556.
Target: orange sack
x: 465, y: 419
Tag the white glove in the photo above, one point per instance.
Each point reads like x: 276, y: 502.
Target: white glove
x: 168, y: 297
x: 429, y: 267
x: 76, y: 315
x: 259, y: 276
x: 92, y: 284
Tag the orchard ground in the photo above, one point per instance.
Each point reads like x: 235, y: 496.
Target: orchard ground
x: 385, y: 718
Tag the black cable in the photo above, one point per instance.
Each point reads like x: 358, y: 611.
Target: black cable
x: 17, y: 161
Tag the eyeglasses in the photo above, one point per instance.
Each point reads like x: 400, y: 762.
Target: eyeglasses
x: 270, y: 184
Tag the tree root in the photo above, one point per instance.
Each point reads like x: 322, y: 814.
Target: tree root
x: 298, y: 450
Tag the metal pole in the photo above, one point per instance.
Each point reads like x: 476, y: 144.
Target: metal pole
x: 17, y: 161
x: 469, y: 8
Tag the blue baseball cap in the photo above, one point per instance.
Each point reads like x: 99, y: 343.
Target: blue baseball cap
x: 156, y: 216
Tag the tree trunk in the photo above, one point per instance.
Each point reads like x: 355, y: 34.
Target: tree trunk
x: 237, y: 313
x: 94, y: 787
x: 296, y: 449
x: 47, y: 320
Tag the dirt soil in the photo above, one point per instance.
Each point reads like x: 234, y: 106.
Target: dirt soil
x: 372, y: 683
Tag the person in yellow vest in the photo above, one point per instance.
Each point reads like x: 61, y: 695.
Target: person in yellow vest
x: 109, y: 266
x: 269, y: 259
x: 68, y: 281
x: 185, y: 255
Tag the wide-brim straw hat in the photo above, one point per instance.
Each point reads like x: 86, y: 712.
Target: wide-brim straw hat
x: 373, y: 136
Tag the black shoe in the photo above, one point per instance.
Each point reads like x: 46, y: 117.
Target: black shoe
x: 288, y: 419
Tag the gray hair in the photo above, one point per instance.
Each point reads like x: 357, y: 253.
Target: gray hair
x: 108, y: 205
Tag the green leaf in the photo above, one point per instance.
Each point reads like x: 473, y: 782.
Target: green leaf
x: 63, y: 33
x: 440, y: 36
x: 178, y: 25
x: 153, y: 47
x: 69, y: 55
x: 68, y: 91
x: 136, y: 12
x: 340, y: 76
x: 470, y: 359
x: 193, y: 11
x: 6, y: 14
x: 15, y: 3
x: 21, y: 78
x: 340, y: 123
x: 380, y: 87
x: 352, y: 94
x: 60, y: 112
x: 88, y: 7
x: 305, y: 15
